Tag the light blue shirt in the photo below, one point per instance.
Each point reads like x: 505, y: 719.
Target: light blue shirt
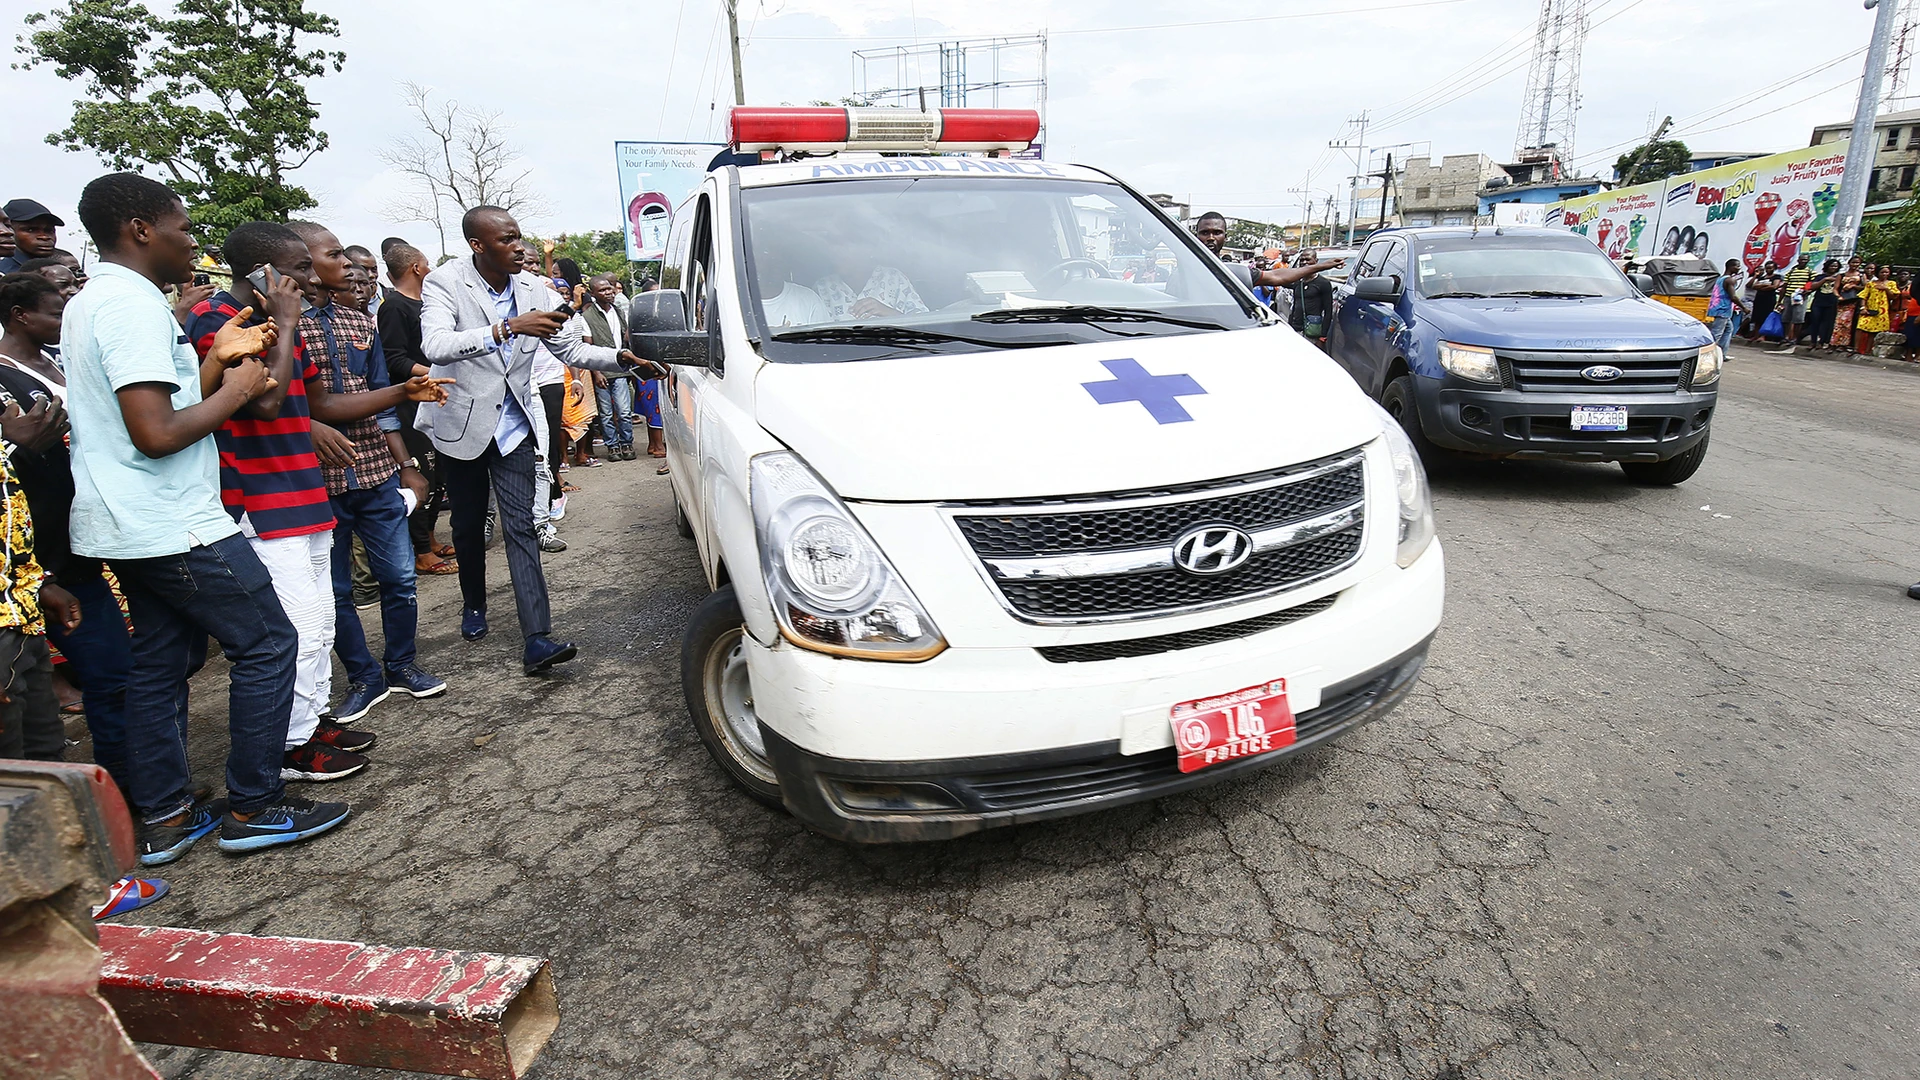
x: 120, y: 331
x: 514, y: 424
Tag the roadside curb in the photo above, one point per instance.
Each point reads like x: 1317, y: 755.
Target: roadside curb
x: 1832, y: 358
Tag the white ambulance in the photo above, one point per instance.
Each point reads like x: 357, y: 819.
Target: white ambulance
x: 1014, y: 502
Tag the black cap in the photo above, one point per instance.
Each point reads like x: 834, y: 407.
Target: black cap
x: 27, y: 210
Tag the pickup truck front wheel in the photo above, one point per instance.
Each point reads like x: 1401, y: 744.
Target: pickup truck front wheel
x: 713, y: 676
x: 1674, y: 470
x: 1397, y: 399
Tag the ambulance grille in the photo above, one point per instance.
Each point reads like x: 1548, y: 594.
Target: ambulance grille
x: 1033, y: 552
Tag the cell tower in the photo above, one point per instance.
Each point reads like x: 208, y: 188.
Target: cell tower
x: 1906, y: 40
x: 1553, y: 83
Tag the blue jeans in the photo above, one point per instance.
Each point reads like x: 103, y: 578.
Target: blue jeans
x: 378, y: 515
x: 1724, y: 328
x: 218, y: 589
x: 616, y: 411
x: 101, y: 654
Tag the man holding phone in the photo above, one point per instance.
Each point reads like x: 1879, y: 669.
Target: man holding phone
x: 271, y: 480
x: 482, y: 320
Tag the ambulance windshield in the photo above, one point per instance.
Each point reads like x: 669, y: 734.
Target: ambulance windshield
x: 840, y: 269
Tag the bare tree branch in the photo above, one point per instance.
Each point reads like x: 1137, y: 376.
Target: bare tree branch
x: 460, y: 159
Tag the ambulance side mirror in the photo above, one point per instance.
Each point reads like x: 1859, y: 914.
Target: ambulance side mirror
x: 1242, y: 273
x: 657, y: 330
x: 1643, y: 282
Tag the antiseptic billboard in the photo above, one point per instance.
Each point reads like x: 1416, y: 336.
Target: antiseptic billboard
x: 654, y: 178
x: 1770, y: 209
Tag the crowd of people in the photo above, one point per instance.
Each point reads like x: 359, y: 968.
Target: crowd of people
x: 1839, y: 308
x: 185, y: 460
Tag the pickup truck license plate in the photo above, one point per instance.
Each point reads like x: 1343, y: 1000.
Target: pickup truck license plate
x: 1599, y: 418
x: 1228, y: 727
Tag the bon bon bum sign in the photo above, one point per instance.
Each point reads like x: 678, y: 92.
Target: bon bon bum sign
x: 1771, y: 209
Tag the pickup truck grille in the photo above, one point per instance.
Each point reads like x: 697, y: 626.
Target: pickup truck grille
x: 1111, y: 557
x: 1652, y: 372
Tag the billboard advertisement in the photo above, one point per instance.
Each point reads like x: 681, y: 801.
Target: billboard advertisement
x: 655, y: 177
x: 1771, y: 209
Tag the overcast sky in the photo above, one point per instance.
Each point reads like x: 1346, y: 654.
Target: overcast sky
x: 1233, y: 114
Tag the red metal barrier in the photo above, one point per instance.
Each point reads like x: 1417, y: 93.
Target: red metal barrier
x: 425, y: 1010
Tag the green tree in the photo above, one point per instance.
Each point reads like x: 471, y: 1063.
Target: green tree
x: 213, y: 95
x: 1652, y: 161
x: 1244, y: 233
x: 1894, y: 239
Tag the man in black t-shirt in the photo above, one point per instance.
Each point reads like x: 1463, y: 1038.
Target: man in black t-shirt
x: 399, y: 320
x: 1312, y: 304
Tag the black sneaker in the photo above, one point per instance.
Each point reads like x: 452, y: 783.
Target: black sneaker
x: 292, y: 821
x: 162, y: 844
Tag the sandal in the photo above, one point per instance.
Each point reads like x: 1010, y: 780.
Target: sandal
x: 437, y: 566
x: 661, y: 471
x: 445, y: 551
x: 567, y: 487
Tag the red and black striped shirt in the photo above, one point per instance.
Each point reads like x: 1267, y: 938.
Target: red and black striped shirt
x: 267, y: 467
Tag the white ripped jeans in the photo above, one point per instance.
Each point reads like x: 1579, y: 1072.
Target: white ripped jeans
x: 302, y: 571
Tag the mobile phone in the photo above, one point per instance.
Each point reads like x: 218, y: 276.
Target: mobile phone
x: 202, y: 279
x: 259, y: 279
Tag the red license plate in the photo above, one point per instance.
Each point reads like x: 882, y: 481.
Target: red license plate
x: 1229, y: 727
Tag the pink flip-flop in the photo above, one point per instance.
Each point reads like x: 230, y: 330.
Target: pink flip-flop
x: 130, y: 894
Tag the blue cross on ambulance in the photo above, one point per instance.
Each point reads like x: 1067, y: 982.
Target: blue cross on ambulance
x: 1014, y: 502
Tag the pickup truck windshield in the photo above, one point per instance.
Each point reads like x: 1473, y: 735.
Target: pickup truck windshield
x: 1475, y: 268
x: 867, y: 269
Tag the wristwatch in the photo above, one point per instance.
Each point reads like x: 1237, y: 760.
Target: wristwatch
x: 411, y: 463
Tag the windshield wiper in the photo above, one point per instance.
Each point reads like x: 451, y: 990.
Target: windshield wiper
x: 1552, y: 292
x: 1091, y: 313
x: 883, y: 334
x: 1459, y: 293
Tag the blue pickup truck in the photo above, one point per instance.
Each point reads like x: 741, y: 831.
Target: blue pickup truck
x: 1525, y: 343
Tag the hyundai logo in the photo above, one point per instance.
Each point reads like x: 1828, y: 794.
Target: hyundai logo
x: 1212, y: 549
x: 1601, y: 373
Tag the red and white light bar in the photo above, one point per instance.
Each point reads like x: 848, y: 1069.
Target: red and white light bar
x: 819, y: 129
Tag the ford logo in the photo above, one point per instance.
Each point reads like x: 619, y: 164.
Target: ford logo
x: 1601, y: 373
x: 1212, y: 549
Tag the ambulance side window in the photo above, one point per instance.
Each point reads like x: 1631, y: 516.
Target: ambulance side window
x: 700, y: 264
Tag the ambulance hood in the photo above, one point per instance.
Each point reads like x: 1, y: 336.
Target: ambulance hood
x: 1072, y: 419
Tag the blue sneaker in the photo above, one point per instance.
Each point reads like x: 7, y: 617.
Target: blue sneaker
x: 292, y: 821
x: 473, y: 624
x: 543, y: 652
x: 360, y: 700
x: 411, y: 680
x: 162, y: 844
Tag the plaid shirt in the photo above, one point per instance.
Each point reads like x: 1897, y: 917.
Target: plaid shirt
x: 345, y: 347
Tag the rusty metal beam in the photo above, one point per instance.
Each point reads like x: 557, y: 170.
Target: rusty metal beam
x: 64, y: 835
x: 425, y: 1010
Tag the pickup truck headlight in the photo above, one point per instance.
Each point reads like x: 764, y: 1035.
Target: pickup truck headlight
x: 832, y: 590
x: 1470, y: 362
x: 1706, y: 370
x: 1410, y: 488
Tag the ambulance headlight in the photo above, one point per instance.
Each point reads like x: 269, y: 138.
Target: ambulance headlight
x: 1410, y: 489
x: 832, y: 589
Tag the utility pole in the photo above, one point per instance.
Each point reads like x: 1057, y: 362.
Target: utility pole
x: 1862, y: 147
x: 733, y: 32
x: 1633, y: 170
x: 1384, y: 176
x: 1359, y: 147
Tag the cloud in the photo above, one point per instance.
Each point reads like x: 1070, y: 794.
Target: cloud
x: 1233, y: 115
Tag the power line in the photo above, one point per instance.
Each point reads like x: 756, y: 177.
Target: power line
x: 1151, y: 26
x: 672, y: 52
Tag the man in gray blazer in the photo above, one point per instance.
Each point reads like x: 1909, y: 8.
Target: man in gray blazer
x: 480, y: 322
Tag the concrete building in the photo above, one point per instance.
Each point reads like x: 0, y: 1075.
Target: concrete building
x: 1446, y: 193
x: 1537, y: 179
x: 1896, y: 138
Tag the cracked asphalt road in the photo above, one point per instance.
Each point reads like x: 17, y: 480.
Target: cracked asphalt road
x: 1649, y: 814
